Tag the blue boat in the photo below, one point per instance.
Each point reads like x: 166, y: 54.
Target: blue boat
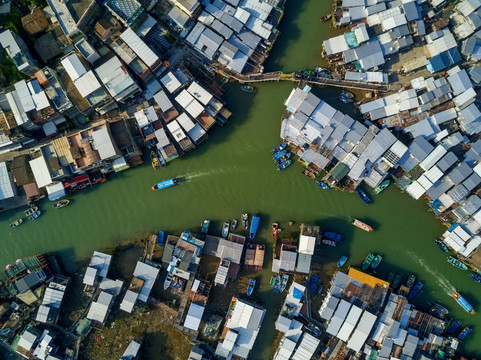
x: 254, y: 225
x: 205, y: 227
x: 476, y: 277
x: 250, y: 287
x: 454, y: 327
x: 363, y: 196
x: 160, y: 238
x: 284, y: 158
x: 464, y: 303
x: 283, y: 165
x: 313, y: 283
x: 415, y: 290
x: 464, y: 332
x: 165, y: 184
x: 342, y: 261
x: 279, y: 154
x: 333, y: 236
x: 279, y: 147
x: 323, y: 185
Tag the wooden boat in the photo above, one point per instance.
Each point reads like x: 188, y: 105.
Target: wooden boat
x: 326, y: 17
x: 415, y: 290
x: 154, y: 160
x: 410, y: 281
x: 441, y: 245
x: 30, y: 211
x: 397, y: 280
x: 464, y: 303
x: 248, y: 88
x: 308, y: 173
x: 465, y: 332
x: 254, y: 225
x: 35, y: 215
x: 60, y: 204
x: 225, y: 229
x: 323, y: 185
x: 205, y: 226
x: 165, y: 184
x: 275, y: 230
x: 313, y: 283
x: 245, y: 221
x: 367, y: 261
x: 284, y: 281
x: 361, y: 225
x: 279, y: 148
x: 377, y: 260
x: 16, y: 223
x: 381, y: 186
x: 168, y: 280
x: 284, y: 165
x: 456, y: 263
x: 250, y: 287
x: 333, y: 236
x: 363, y: 196
x: 277, y: 284
x: 160, y: 238
x: 233, y: 224
x: 329, y: 242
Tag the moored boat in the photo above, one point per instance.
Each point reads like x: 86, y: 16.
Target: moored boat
x: 345, y: 99
x: 415, y: 290
x: 464, y: 303
x: 322, y: 185
x: 361, y: 225
x: 160, y: 238
x: 381, y: 186
x: 279, y: 148
x: 35, y: 215
x: 440, y: 309
x: 326, y: 17
x: 275, y: 229
x: 342, y: 261
x: 454, y: 327
x: 284, y: 158
x: 277, y: 284
x: 333, y: 236
x: 329, y: 242
x: 250, y: 287
x: 154, y: 160
x: 456, y: 263
x: 205, y: 226
x: 313, y: 283
x: 168, y: 280
x: 441, y: 245
x: 16, y: 223
x: 363, y: 196
x: 308, y: 173
x: 377, y: 260
x: 254, y: 226
x: 284, y: 165
x: 347, y: 94
x: 165, y: 184
x: 410, y: 281
x: 367, y: 261
x: 319, y: 289
x: 225, y: 229
x: 465, y: 332
x: 60, y: 204
x: 245, y: 221
x: 390, y: 277
x: 233, y: 224
x: 273, y: 280
x: 30, y: 211
x: 284, y: 281
x: 279, y: 154
x: 248, y: 88
x: 397, y: 280
x: 321, y: 69
x: 5, y: 331
x: 475, y: 277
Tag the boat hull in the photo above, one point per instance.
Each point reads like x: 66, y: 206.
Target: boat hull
x: 275, y: 229
x: 456, y: 263
x: 61, y: 204
x: 361, y: 225
x: 254, y: 226
x: 381, y: 187
x: 363, y: 196
x: 464, y: 303
x: 251, y: 286
x: 165, y: 184
x: 342, y: 261
x: 225, y: 230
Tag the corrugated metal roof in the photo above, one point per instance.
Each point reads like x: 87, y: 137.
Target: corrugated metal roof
x: 87, y: 84
x: 139, y: 47
x: 40, y: 171
x: 221, y: 275
x: 131, y: 351
x: 104, y: 143
x: 306, y: 348
x: 194, y: 317
x: 73, y: 66
x: 128, y: 302
x: 7, y: 189
x: 149, y: 275
x: 99, y: 309
x: 199, y: 93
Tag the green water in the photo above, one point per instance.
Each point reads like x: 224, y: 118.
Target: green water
x: 232, y: 173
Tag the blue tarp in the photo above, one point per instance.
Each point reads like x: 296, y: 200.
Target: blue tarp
x: 297, y: 294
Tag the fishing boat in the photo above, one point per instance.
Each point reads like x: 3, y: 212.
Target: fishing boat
x: 441, y: 245
x: 465, y: 332
x: 154, y: 160
x: 397, y: 280
x: 273, y: 280
x: 168, y: 280
x: 277, y: 284
x: 308, y: 173
x: 347, y: 94
x: 333, y: 236
x: 233, y: 224
x: 212, y: 326
x: 415, y: 290
x: 363, y: 196
x: 285, y: 280
x: 35, y: 215
x: 165, y: 184
x: 436, y: 313
x: 161, y: 159
x: 279, y: 148
x: 381, y: 186
x: 321, y: 69
x: 16, y: 223
x: 250, y: 287
x: 313, y: 283
x: 5, y: 331
x: 440, y: 309
x: 455, y: 325
x: 456, y: 263
x: 275, y: 229
x: 225, y: 229
x: 284, y: 158
x: 322, y: 185
x: 329, y: 242
x: 205, y: 226
x: 30, y: 211
x: 377, y: 260
x: 245, y: 221
x: 284, y: 165
x: 367, y: 261
x: 361, y: 225
x: 279, y: 154
x: 160, y: 238
x: 476, y: 277
x: 254, y: 226
x: 345, y: 99
x: 463, y: 303
x: 390, y: 277
x: 342, y: 261
x: 248, y: 88
x: 326, y: 17
x: 319, y: 290
x: 60, y: 204
x: 410, y: 282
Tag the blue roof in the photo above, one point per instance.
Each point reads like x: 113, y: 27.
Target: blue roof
x: 443, y: 60
x: 297, y: 294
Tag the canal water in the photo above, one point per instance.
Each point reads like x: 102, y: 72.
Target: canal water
x: 233, y: 172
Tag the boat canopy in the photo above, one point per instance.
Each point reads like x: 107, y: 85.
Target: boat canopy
x: 165, y: 184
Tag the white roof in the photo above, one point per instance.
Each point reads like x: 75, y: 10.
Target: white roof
x: 194, y: 316
x: 89, y: 277
x: 131, y: 351
x: 199, y: 93
x: 221, y: 275
x: 55, y: 191
x: 191, y: 105
x: 87, y: 83
x: 170, y: 82
x: 6, y: 186
x: 112, y: 286
x: 433, y: 157
x: 99, y: 309
x: 53, y: 297
x: 27, y: 340
x: 163, y: 101
x: 73, y: 66
x: 128, y: 301
x: 415, y: 190
x: 104, y: 143
x: 307, y: 244
x: 149, y: 275
x: 176, y: 131
x: 101, y: 262
x: 40, y: 171
x: 139, y: 47
x: 306, y: 348
x: 185, y: 121
x: 116, y: 79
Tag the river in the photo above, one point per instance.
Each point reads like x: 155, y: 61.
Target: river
x: 233, y: 173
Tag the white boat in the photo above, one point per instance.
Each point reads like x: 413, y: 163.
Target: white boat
x: 168, y: 280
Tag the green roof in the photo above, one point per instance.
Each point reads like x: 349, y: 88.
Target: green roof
x: 340, y: 171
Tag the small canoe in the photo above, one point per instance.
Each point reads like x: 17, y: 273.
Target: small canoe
x: 377, y: 260
x: 225, y: 229
x: 279, y: 148
x: 367, y: 261
x: 233, y: 225
x: 154, y: 160
x: 248, y: 88
x: 284, y: 281
x: 342, y: 261
x: 275, y: 230
x: 35, y: 215
x: 397, y: 280
x: 254, y: 225
x: 60, y: 204
x: 284, y: 165
x: 441, y: 245
x: 168, y: 280
x: 381, y: 187
x: 456, y: 263
x: 245, y: 221
x: 16, y: 223
x: 250, y: 287
x: 160, y: 238
x: 326, y: 17
x: 363, y: 196
x: 313, y: 283
x: 323, y: 185
x: 329, y: 242
x: 205, y: 226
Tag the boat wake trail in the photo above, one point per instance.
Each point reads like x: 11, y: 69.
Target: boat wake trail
x: 444, y: 283
x: 201, y: 174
